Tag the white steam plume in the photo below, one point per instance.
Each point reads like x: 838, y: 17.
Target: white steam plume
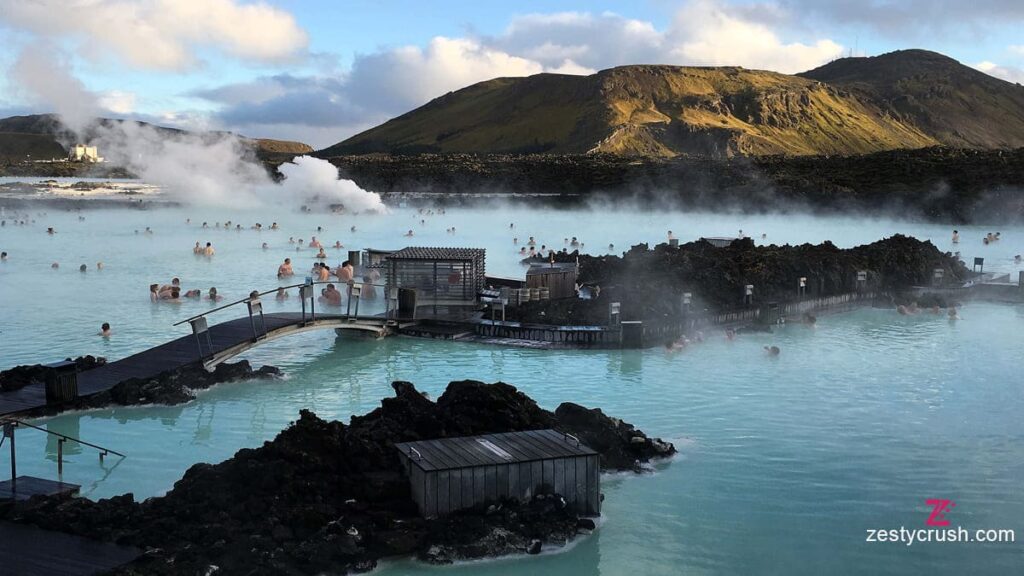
x: 193, y: 167
x: 319, y: 178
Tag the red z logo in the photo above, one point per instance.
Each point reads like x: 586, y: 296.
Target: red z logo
x: 939, y: 508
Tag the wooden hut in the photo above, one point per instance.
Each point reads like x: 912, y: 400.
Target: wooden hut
x: 440, y: 276
x: 450, y: 474
x: 558, y: 278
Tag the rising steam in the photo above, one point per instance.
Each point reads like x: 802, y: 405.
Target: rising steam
x: 201, y: 168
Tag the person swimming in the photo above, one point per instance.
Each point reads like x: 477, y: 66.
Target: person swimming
x: 213, y: 296
x: 154, y: 293
x: 956, y: 236
x: 772, y: 350
x: 352, y: 229
x: 83, y: 268
x: 274, y: 226
x: 314, y: 243
x: 951, y: 312
x: 408, y: 234
x: 285, y: 269
x: 105, y: 330
x: 208, y: 251
x: 325, y: 273
x: 265, y: 246
x: 55, y: 265
x: 321, y: 254
x: 3, y: 256
x: 194, y: 293
x: 338, y: 244
x: 197, y: 249
x: 281, y: 294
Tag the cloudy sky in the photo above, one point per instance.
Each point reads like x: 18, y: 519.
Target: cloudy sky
x: 322, y: 70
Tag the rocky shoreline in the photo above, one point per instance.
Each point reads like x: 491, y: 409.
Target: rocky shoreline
x: 650, y: 282
x: 326, y: 497
x: 942, y: 184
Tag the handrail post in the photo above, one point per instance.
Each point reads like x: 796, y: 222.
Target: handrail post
x: 9, y: 427
x: 60, y: 458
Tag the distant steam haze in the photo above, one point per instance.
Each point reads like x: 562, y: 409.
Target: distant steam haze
x: 197, y: 168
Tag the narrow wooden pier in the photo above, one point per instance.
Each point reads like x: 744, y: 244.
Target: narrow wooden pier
x: 226, y: 339
x: 25, y: 487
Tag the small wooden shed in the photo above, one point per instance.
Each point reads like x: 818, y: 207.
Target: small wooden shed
x: 440, y: 276
x: 559, y: 278
x: 450, y: 474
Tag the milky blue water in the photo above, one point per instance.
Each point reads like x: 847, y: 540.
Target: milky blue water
x: 784, y: 462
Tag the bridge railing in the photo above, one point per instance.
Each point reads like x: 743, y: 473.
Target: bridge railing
x: 10, y: 424
x: 353, y: 294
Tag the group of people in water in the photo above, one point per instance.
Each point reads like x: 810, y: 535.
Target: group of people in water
x: 173, y: 293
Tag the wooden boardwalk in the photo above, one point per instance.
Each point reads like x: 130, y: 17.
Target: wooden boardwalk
x: 29, y: 486
x: 30, y: 550
x: 231, y: 337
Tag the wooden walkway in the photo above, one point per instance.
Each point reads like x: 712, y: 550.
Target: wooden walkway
x: 30, y: 550
x: 227, y: 339
x: 29, y: 486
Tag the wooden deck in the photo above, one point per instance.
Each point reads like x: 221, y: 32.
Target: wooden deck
x: 227, y: 337
x: 29, y: 486
x: 30, y: 550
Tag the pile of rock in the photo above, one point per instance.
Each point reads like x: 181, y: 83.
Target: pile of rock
x: 326, y: 497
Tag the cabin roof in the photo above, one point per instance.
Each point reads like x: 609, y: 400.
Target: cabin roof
x: 491, y: 449
x: 437, y: 253
x: 557, y: 268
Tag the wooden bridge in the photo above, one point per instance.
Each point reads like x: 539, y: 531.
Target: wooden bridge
x: 211, y: 345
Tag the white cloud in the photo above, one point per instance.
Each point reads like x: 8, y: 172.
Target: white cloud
x: 161, y: 34
x: 409, y: 76
x: 1018, y: 48
x: 118, y: 102
x: 705, y: 33
x: 1008, y: 73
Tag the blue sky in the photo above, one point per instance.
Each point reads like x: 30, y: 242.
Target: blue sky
x: 320, y: 71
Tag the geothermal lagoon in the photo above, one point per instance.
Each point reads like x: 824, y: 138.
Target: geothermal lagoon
x: 784, y: 462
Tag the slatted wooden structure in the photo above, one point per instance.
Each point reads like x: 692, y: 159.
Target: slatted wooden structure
x: 558, y: 278
x: 450, y: 474
x: 440, y: 276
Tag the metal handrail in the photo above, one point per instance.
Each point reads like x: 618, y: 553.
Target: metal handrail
x: 103, y: 451
x: 271, y: 291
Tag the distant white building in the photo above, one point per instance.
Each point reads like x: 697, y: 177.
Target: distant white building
x: 83, y: 153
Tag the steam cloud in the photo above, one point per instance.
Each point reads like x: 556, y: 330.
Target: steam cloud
x: 193, y: 167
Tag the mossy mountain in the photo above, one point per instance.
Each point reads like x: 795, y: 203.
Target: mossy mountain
x: 901, y: 100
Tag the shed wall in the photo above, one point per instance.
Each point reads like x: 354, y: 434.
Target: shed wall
x: 442, y: 492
